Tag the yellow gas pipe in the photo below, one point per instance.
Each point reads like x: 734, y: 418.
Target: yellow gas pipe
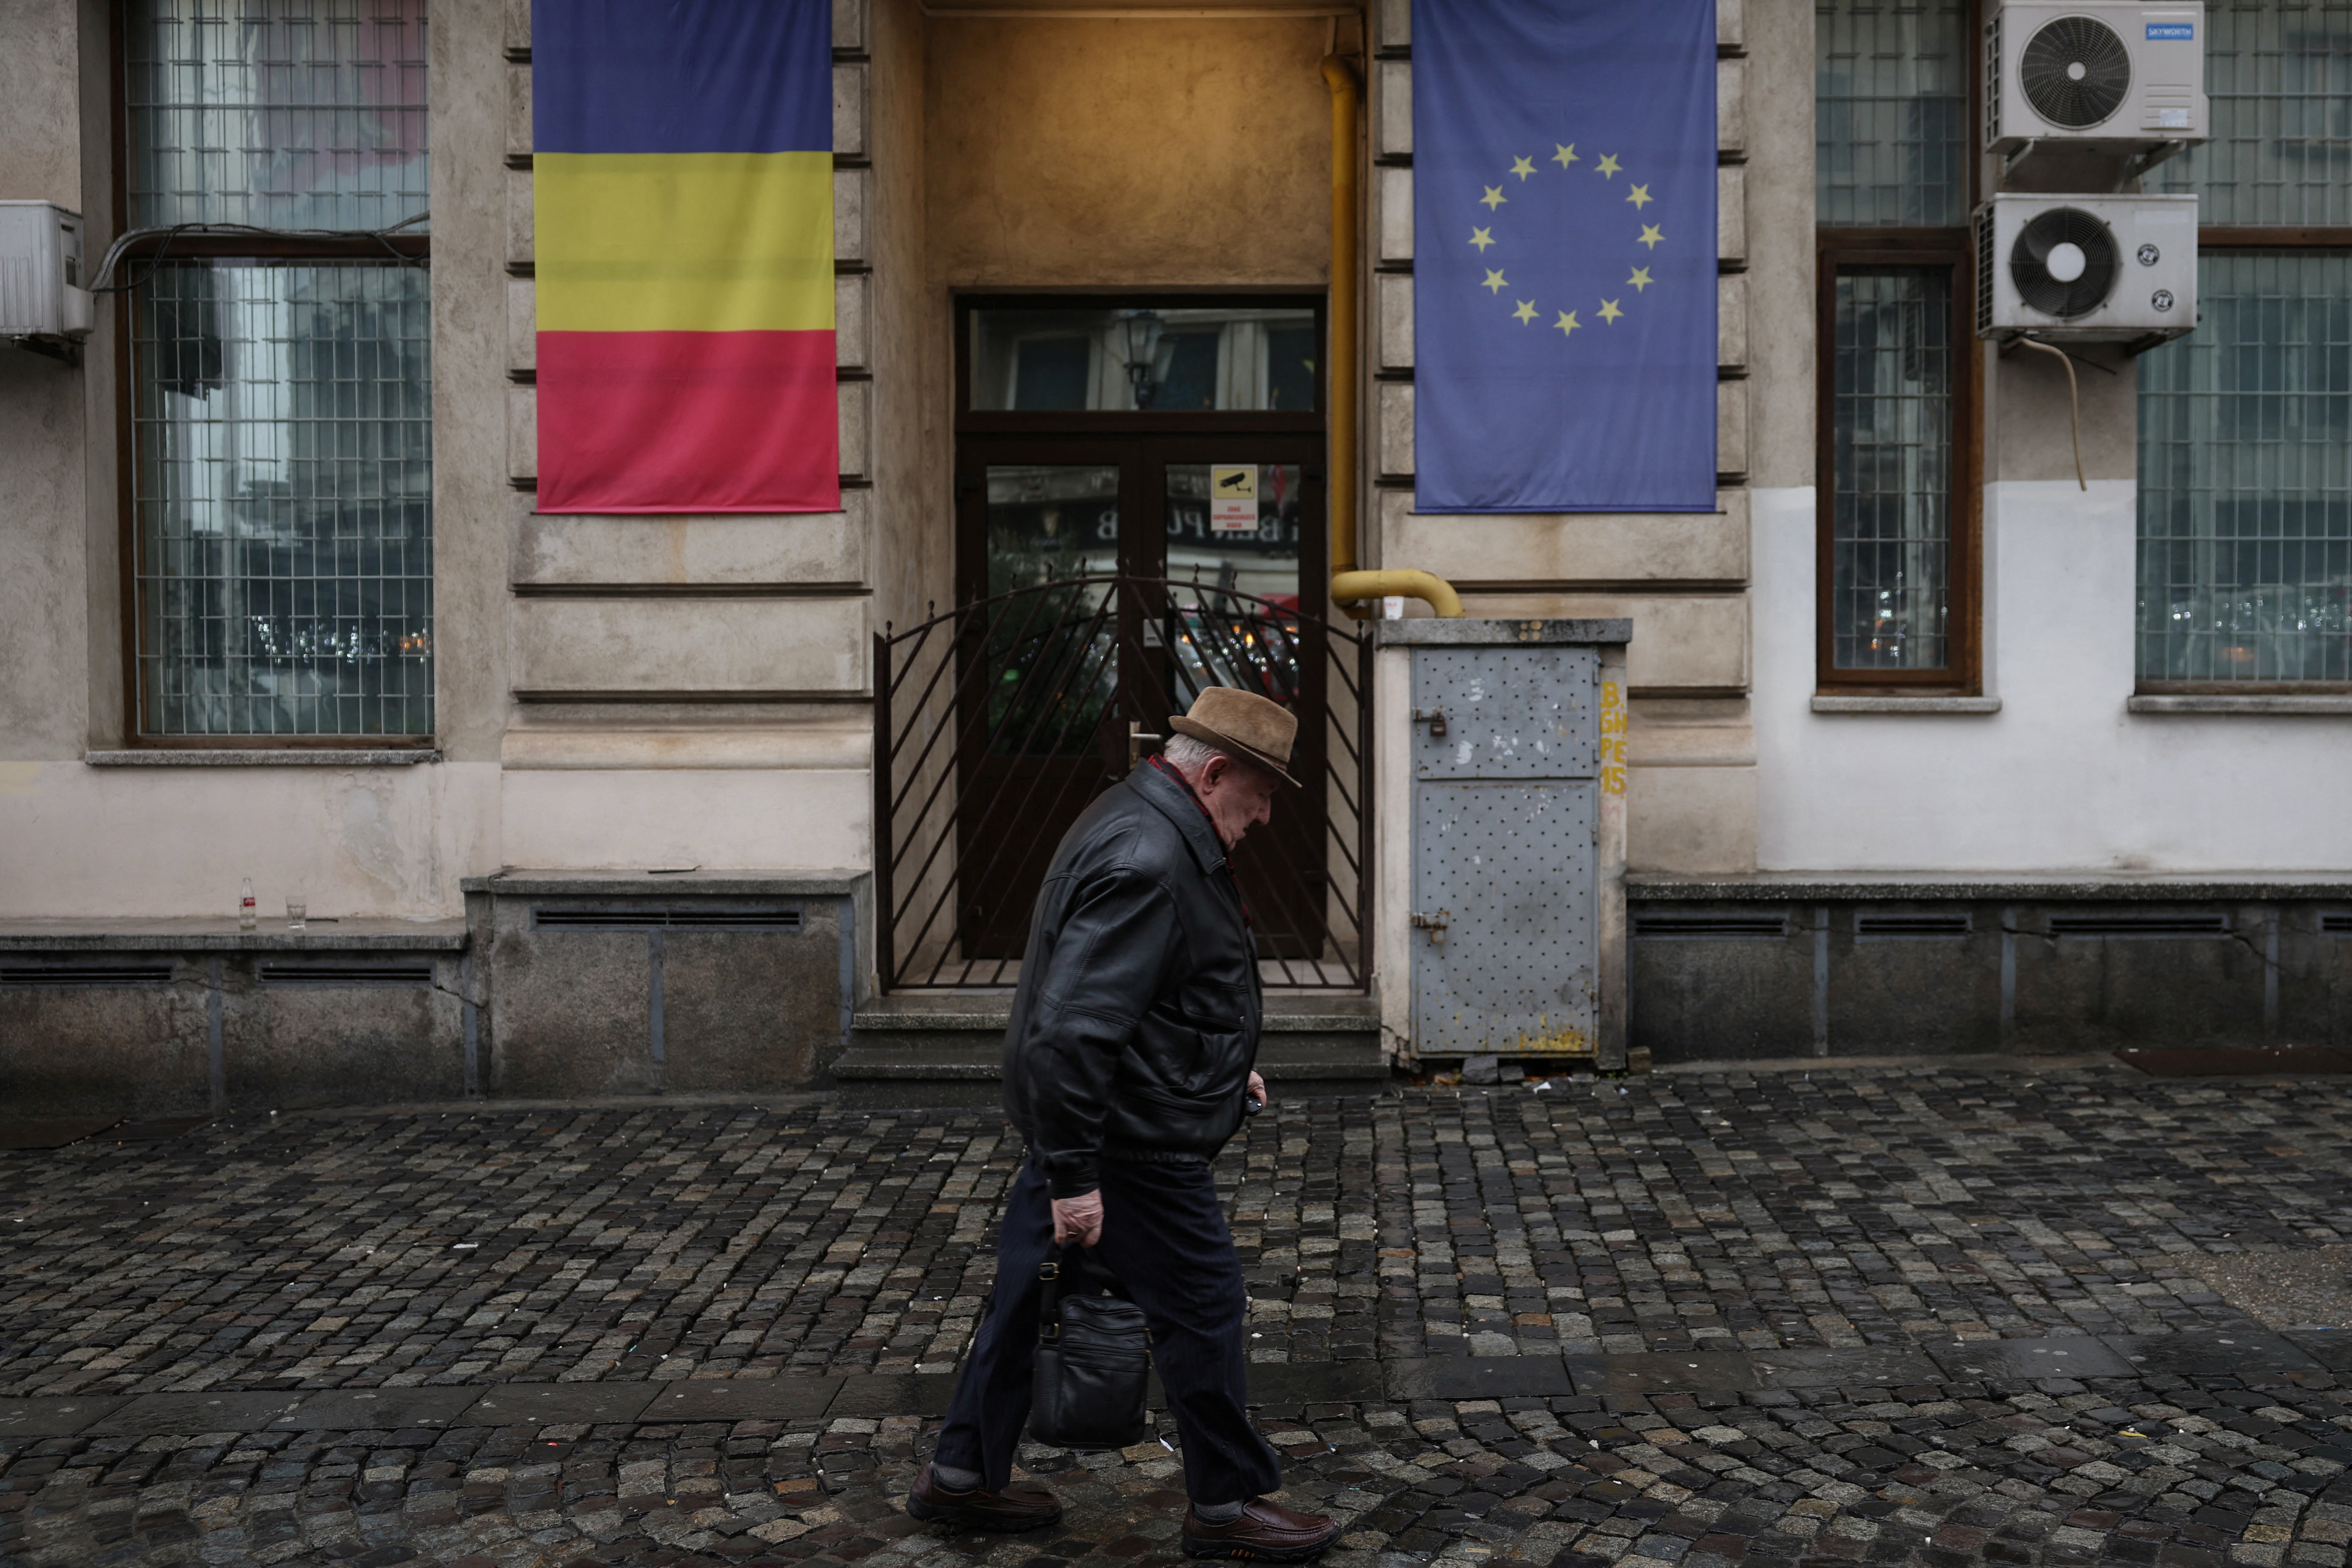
x: 1350, y: 585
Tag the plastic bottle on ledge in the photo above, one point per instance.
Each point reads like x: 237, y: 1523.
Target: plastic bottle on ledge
x: 247, y: 913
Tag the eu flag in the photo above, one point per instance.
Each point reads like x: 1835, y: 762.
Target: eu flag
x: 1564, y: 157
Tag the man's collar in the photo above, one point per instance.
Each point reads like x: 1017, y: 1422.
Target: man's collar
x: 1176, y: 801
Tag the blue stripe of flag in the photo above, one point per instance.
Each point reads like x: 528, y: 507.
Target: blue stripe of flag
x: 682, y: 76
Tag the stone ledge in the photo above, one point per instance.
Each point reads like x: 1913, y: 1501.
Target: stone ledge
x: 1893, y: 704
x: 226, y: 936
x: 2275, y: 705
x: 1500, y: 631
x: 258, y: 757
x: 1895, y: 887
x: 621, y: 882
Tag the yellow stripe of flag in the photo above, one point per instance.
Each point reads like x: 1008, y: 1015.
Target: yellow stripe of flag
x: 683, y: 242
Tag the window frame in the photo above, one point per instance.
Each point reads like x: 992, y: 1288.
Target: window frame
x: 2243, y: 240
x: 1840, y: 249
x: 402, y: 249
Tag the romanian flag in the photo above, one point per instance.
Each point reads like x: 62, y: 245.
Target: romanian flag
x: 683, y: 174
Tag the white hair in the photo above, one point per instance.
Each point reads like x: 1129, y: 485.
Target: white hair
x: 1189, y: 754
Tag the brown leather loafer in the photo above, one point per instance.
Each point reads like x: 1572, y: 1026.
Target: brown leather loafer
x: 1266, y: 1533
x: 1010, y: 1511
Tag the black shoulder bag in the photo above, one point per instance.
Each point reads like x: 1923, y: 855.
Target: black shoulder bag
x: 1093, y: 1352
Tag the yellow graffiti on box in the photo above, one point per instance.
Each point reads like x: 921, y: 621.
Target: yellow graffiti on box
x: 1614, y: 721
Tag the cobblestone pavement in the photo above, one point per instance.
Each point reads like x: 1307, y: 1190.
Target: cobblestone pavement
x: 1721, y: 1211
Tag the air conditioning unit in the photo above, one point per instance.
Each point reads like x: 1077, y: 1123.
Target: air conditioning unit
x: 2123, y: 77
x: 41, y: 297
x: 2087, y: 268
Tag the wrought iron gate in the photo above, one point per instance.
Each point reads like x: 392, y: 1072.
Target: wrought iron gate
x: 995, y: 724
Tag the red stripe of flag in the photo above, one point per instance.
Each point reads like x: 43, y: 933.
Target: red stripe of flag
x: 675, y: 422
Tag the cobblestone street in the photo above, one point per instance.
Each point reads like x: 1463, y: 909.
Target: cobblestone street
x: 1886, y: 1315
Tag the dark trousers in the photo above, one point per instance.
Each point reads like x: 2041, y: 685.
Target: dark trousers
x: 1165, y: 1238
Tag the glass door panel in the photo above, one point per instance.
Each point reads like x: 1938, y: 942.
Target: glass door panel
x: 1053, y: 658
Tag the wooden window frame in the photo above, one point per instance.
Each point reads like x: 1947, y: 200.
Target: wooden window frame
x: 392, y: 249
x: 1962, y: 674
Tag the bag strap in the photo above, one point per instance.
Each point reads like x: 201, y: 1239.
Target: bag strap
x: 1049, y: 1296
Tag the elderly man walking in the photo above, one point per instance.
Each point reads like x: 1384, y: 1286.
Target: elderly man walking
x: 1132, y: 1044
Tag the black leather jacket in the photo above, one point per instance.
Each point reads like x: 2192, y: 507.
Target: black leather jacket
x: 1135, y: 1024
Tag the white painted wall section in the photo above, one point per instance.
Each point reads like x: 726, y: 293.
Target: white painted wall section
x: 2062, y: 777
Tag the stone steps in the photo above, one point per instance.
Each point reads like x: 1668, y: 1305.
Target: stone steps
x: 948, y: 1048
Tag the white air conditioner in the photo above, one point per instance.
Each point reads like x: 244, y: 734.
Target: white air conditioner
x: 2120, y: 76
x: 41, y: 295
x: 2087, y: 268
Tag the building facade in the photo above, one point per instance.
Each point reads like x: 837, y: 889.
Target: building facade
x: 1932, y: 744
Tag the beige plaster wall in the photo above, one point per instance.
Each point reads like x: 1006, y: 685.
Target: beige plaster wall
x: 1779, y: 225
x: 471, y: 501
x: 44, y: 627
x: 1123, y: 151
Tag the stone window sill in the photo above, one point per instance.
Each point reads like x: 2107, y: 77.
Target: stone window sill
x: 282, y: 757
x: 2274, y: 704
x: 1891, y: 703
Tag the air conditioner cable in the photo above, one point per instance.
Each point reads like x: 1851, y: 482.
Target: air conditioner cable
x: 2074, y: 401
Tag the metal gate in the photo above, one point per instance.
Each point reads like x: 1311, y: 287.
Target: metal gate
x: 995, y: 724
x: 1506, y: 794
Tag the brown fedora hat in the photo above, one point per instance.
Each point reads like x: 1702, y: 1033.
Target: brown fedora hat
x: 1244, y: 724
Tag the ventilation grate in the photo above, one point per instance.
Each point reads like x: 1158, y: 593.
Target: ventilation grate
x: 1955, y: 923
x: 403, y: 972
x: 641, y: 919
x: 2335, y: 924
x: 52, y: 976
x: 1984, y: 270
x: 1992, y: 76
x: 1712, y: 928
x: 2128, y: 924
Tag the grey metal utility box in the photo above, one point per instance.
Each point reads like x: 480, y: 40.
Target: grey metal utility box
x: 1503, y: 913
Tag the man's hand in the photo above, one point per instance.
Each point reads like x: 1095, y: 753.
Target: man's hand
x: 1079, y: 1219
x: 1257, y: 1089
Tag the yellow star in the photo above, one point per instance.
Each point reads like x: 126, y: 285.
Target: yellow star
x: 1650, y: 236
x: 1523, y: 167
x: 1639, y: 281
x: 1495, y: 283
x: 1566, y: 155
x: 1568, y: 323
x: 1640, y: 197
x: 1525, y: 312
x: 1608, y: 311
x: 1608, y: 165
x: 1482, y: 238
x: 1493, y: 197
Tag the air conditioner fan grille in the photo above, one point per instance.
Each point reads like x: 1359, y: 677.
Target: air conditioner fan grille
x: 2028, y: 263
x: 2076, y: 72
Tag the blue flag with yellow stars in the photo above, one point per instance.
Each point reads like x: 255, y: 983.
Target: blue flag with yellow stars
x: 1564, y: 276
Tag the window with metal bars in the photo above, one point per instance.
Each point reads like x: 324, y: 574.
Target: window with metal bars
x: 2245, y: 426
x: 1897, y: 590
x: 2245, y: 480
x: 1891, y: 113
x: 280, y: 484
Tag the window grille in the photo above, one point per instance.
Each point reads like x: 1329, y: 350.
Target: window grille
x: 2245, y: 478
x: 1890, y: 414
x: 1891, y: 113
x: 280, y: 527
x: 2279, y: 74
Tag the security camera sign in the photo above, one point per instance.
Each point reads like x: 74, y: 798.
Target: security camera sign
x: 1233, y: 498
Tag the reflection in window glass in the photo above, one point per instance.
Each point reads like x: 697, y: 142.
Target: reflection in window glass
x: 283, y: 495
x: 1221, y: 548
x: 1891, y: 408
x: 1890, y: 113
x: 1180, y: 359
x: 2245, y: 478
x: 2279, y: 73
x: 287, y: 114
x: 1053, y: 658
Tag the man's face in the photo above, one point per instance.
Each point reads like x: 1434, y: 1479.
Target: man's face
x: 1239, y: 797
